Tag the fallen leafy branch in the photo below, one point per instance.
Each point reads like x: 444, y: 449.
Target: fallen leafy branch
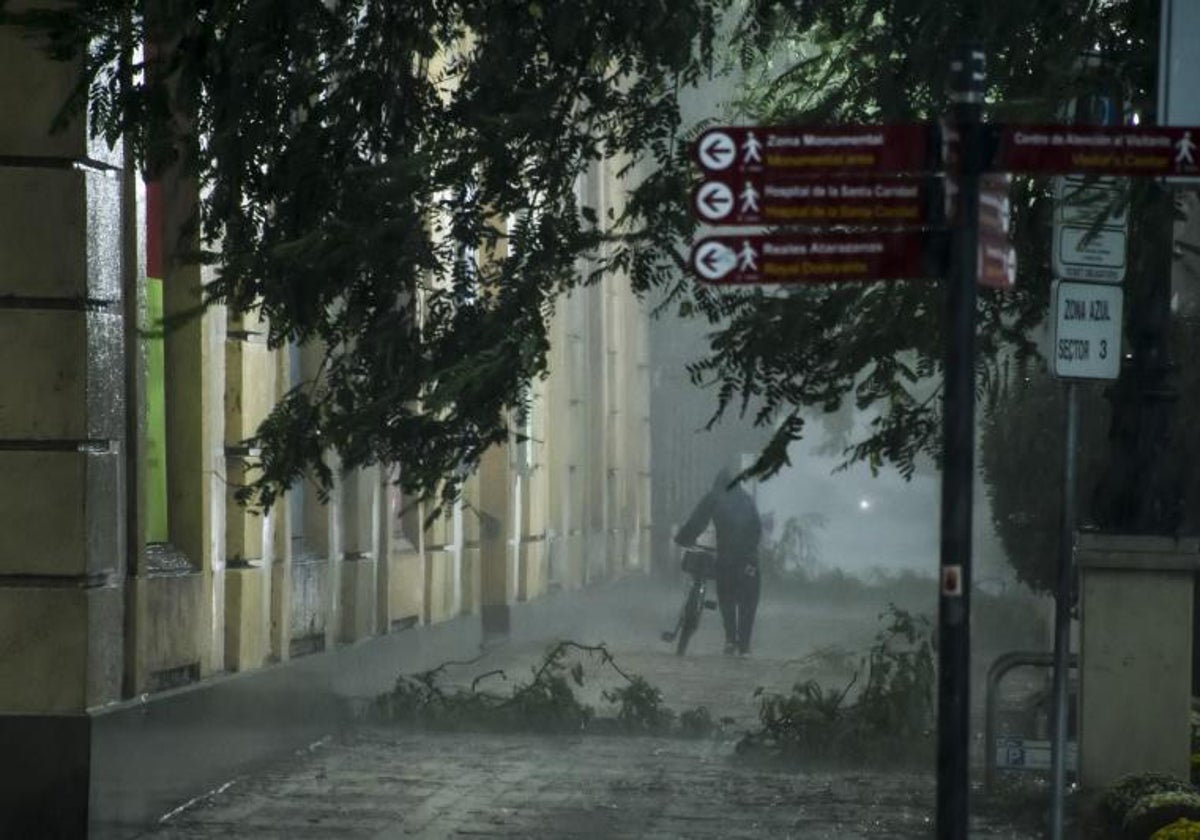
x: 546, y: 703
x: 889, y: 718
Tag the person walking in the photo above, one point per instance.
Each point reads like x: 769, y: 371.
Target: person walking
x: 734, y: 517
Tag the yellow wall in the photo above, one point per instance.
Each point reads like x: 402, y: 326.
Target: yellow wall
x: 572, y: 505
x: 223, y: 588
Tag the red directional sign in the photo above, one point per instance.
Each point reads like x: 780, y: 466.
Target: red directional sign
x: 794, y: 150
x: 1069, y: 149
x: 997, y: 261
x: 828, y: 258
x: 752, y: 199
x: 995, y: 207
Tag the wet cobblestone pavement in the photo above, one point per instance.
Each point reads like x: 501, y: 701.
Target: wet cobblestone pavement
x: 383, y: 783
x: 388, y: 782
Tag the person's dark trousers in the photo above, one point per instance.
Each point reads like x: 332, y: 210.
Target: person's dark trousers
x: 727, y: 600
x: 738, y: 588
x: 749, y: 588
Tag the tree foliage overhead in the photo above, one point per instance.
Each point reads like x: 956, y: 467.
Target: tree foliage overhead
x: 1023, y: 442
x: 880, y: 345
x: 394, y: 179
x: 355, y: 154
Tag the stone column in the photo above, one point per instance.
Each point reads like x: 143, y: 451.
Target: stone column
x: 249, y: 535
x: 194, y: 390
x: 281, y: 545
x: 360, y: 515
x: 1135, y: 655
x: 62, y: 438
x: 387, y: 522
x: 577, y: 441
x: 494, y: 525
x: 316, y: 538
x: 535, y: 525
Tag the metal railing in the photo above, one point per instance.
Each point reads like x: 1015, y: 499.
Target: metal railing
x: 999, y: 668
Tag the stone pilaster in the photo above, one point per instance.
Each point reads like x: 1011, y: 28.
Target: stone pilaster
x: 62, y: 443
x: 1135, y: 655
x: 250, y: 369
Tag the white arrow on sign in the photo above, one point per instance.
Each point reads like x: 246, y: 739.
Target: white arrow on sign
x: 713, y: 260
x: 714, y: 201
x: 717, y: 150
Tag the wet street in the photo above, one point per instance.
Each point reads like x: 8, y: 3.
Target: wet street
x: 381, y: 783
x: 385, y: 781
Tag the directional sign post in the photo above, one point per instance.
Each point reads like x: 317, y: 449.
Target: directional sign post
x: 885, y: 185
x: 958, y: 457
x: 1074, y: 150
x: 798, y: 258
x: 995, y: 207
x: 1087, y: 345
x: 890, y: 189
x: 997, y: 257
x: 997, y: 261
x: 812, y: 202
x: 796, y: 151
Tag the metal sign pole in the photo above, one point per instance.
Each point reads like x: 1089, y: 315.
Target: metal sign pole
x: 1062, y: 614
x: 954, y: 648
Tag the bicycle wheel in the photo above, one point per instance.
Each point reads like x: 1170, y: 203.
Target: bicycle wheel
x: 691, y: 617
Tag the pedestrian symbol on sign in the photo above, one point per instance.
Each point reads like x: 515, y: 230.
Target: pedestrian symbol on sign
x: 751, y: 149
x: 749, y: 198
x: 1185, y: 149
x: 747, y: 257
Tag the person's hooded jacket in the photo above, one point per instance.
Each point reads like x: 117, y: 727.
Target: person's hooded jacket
x: 734, y: 517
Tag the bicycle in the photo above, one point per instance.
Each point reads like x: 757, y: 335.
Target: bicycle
x: 701, y: 563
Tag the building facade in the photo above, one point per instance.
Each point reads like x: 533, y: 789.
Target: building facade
x: 127, y: 568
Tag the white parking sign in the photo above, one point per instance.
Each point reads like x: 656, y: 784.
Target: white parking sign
x: 1087, y: 330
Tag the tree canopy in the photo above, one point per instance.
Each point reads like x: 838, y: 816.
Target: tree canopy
x: 355, y: 153
x: 880, y: 344
x: 394, y: 179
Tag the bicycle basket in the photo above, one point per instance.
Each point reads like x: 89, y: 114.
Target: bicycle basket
x: 702, y: 564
